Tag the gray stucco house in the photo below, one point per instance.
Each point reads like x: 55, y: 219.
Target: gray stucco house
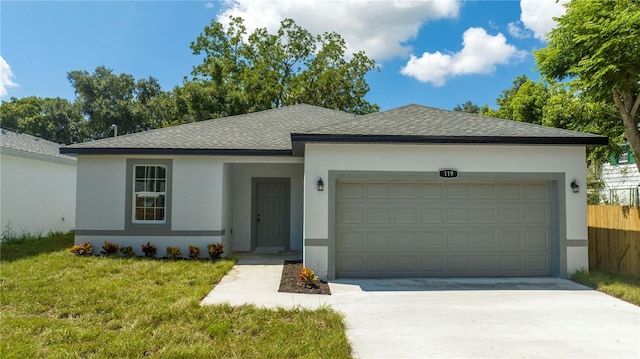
x: 409, y: 192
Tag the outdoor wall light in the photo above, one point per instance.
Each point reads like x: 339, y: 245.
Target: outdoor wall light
x: 320, y: 185
x: 574, y: 187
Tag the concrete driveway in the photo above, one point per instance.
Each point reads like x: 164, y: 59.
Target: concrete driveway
x: 455, y: 318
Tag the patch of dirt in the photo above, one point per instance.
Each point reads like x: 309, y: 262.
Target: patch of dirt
x: 289, y: 281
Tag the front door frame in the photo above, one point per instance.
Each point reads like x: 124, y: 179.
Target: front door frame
x: 286, y: 181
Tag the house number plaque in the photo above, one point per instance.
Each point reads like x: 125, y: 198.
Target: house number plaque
x: 448, y: 173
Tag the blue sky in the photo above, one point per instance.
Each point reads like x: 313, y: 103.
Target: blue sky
x: 437, y: 53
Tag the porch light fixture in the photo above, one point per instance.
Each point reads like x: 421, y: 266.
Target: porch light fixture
x: 574, y: 186
x: 320, y: 185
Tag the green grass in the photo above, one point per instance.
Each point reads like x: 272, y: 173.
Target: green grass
x: 624, y: 287
x: 58, y: 305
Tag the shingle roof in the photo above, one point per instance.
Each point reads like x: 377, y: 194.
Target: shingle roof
x: 272, y: 132
x: 415, y: 123
x: 259, y: 132
x: 20, y: 144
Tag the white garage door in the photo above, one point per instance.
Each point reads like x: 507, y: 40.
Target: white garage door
x: 397, y: 228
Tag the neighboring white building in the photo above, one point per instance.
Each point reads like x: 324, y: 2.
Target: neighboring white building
x: 409, y: 192
x: 37, y: 186
x: 621, y: 179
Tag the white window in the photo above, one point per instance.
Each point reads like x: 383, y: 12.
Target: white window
x: 149, y: 193
x: 624, y: 157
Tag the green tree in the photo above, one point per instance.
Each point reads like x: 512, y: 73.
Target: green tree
x: 469, y: 107
x: 251, y: 72
x: 523, y: 102
x: 53, y: 119
x: 596, y: 45
x: 106, y: 98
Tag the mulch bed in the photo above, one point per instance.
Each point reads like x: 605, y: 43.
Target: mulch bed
x: 289, y: 281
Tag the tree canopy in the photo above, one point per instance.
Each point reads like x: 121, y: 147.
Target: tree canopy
x: 54, y: 119
x: 105, y: 98
x: 251, y: 72
x: 596, y: 46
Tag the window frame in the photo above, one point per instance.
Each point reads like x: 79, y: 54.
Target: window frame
x: 144, y: 194
x: 131, y: 223
x: 624, y: 157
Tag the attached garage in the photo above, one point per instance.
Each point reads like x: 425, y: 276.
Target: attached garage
x: 452, y: 228
x: 422, y: 192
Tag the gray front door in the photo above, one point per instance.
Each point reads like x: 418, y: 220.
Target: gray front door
x: 271, y: 213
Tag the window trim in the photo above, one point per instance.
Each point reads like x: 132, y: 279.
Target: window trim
x: 147, y: 194
x: 130, y: 222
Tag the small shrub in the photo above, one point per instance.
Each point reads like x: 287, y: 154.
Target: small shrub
x: 194, y: 252
x: 173, y: 252
x: 215, y: 250
x: 307, y: 277
x: 109, y: 248
x: 82, y: 249
x: 127, y: 251
x: 149, y: 250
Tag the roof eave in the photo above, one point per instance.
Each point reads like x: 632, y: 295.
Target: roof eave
x: 175, y: 151
x: 515, y: 140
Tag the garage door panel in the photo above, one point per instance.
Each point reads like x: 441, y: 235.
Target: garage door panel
x: 431, y: 215
x: 352, y: 239
x: 484, y: 239
x: 458, y: 190
x: 378, y: 190
x: 379, y: 215
x: 423, y: 228
x: 350, y: 215
x: 484, y: 191
x: 536, y: 191
x: 484, y: 215
x: 458, y: 264
x: 510, y: 215
x: 536, y: 215
x: 536, y: 239
x: 432, y: 239
x: 458, y: 239
x: 509, y: 191
x: 484, y: 263
x: 408, y: 190
x: 432, y: 191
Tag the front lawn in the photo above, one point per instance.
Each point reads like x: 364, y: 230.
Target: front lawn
x: 624, y: 287
x: 57, y: 305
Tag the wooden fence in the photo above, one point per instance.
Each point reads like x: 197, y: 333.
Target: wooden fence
x: 614, y: 239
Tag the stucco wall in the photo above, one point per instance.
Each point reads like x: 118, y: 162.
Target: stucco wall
x: 322, y: 158
x: 242, y: 200
x: 208, y: 194
x: 101, y: 193
x: 36, y: 196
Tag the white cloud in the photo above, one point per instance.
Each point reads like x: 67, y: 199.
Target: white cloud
x: 537, y: 15
x: 208, y: 5
x: 380, y: 28
x: 480, y: 54
x: 6, y: 77
x: 515, y: 30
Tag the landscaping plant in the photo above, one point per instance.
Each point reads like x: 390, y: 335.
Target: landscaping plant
x: 149, y: 250
x: 215, y: 250
x: 173, y: 252
x: 110, y: 249
x: 127, y: 251
x: 194, y: 252
x: 84, y: 249
x: 307, y: 277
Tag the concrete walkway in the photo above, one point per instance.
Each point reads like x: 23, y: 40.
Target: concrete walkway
x: 453, y: 318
